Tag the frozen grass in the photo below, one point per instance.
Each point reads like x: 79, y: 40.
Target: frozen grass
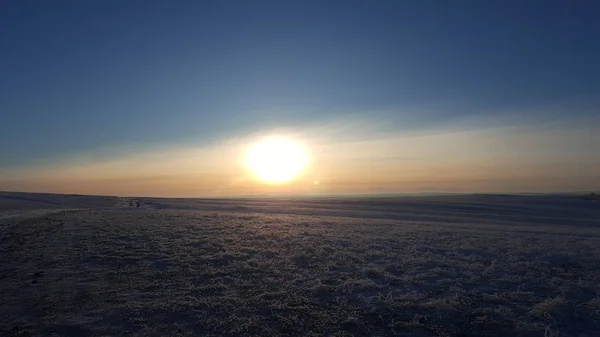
x: 165, y: 272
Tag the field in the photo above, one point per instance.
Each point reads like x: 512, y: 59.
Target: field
x: 472, y: 265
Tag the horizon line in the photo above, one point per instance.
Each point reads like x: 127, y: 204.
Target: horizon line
x: 333, y: 195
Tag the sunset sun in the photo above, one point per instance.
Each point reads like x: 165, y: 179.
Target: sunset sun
x: 276, y: 160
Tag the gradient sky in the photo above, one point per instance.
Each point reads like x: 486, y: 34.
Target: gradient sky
x: 163, y: 97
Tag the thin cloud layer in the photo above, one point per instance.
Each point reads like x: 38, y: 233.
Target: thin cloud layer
x: 349, y: 156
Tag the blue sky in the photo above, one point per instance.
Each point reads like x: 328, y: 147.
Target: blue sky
x: 84, y: 76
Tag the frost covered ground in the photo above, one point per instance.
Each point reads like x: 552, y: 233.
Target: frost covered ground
x: 420, y: 266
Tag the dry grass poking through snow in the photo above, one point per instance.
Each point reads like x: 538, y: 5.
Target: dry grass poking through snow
x: 193, y: 273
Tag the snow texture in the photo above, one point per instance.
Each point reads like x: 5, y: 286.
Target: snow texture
x: 470, y: 265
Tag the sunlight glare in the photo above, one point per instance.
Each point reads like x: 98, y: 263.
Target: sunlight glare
x: 276, y: 159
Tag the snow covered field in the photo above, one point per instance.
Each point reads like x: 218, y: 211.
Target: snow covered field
x: 479, y: 265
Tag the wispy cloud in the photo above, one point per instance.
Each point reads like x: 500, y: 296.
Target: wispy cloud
x: 356, y: 154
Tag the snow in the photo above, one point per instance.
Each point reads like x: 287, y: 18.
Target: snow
x: 461, y: 265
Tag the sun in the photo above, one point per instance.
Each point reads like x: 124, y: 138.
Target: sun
x: 276, y: 159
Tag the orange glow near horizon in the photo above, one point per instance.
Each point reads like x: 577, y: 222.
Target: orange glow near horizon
x: 332, y: 159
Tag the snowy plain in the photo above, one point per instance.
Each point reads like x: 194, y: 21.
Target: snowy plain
x: 453, y: 265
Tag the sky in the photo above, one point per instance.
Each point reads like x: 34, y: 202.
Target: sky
x: 164, y: 98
